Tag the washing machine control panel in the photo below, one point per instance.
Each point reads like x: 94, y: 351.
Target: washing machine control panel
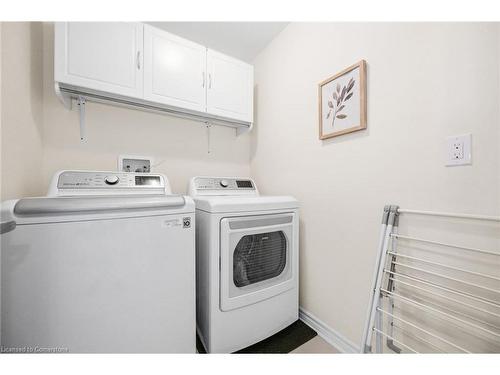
x: 215, y: 183
x: 126, y: 182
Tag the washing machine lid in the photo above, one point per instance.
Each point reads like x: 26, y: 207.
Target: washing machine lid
x: 40, y: 210
x: 220, y: 204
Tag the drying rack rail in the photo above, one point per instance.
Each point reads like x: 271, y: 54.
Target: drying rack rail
x: 419, y: 304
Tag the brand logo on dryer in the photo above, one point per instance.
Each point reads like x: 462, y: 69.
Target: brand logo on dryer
x: 186, y: 222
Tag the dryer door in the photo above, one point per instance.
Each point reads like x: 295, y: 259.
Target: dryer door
x: 257, y: 256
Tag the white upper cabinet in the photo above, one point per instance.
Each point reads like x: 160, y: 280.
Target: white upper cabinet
x: 103, y: 56
x: 229, y: 87
x: 174, y: 70
x: 151, y: 68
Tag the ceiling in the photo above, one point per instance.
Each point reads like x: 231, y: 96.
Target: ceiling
x: 243, y: 40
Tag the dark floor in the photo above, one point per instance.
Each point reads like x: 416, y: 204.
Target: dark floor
x: 282, y: 342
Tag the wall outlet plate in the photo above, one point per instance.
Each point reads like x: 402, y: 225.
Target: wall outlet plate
x: 458, y: 150
x: 134, y: 163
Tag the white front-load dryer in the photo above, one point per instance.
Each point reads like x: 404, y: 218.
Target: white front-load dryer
x: 246, y: 261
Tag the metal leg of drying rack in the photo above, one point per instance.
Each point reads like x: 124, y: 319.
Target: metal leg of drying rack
x: 388, y: 218
x: 383, y: 229
x: 391, y: 287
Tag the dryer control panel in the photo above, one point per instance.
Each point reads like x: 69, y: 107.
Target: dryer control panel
x: 222, y: 186
x: 100, y: 182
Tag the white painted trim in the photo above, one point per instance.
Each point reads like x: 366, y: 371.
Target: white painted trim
x: 330, y: 335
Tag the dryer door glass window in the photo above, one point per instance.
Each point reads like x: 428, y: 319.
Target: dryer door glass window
x: 259, y: 257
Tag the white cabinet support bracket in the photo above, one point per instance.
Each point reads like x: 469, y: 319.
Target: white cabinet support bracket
x: 243, y: 130
x: 64, y: 99
x: 208, y: 126
x: 81, y: 105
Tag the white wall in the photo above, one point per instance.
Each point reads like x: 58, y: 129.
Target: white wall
x: 425, y: 82
x: 21, y: 124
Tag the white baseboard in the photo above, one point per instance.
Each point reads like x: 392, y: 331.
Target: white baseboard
x: 328, y: 334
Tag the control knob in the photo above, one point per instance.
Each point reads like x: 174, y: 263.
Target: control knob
x: 224, y: 183
x: 111, y: 180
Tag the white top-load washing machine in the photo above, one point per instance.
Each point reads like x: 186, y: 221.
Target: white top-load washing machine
x: 104, y: 263
x: 247, y: 262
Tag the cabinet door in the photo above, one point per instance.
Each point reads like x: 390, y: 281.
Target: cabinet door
x: 104, y: 56
x: 174, y: 70
x: 230, y: 87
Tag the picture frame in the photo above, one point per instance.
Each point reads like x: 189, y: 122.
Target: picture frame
x: 342, y: 102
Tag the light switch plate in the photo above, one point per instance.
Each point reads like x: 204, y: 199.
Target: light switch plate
x: 458, y: 150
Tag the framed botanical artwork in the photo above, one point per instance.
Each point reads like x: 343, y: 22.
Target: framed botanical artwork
x: 342, y: 102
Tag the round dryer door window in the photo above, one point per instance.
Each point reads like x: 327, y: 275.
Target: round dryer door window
x: 259, y: 257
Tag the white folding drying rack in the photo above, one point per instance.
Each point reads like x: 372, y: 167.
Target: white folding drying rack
x: 399, y: 284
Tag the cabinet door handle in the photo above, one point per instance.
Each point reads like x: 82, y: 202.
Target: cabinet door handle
x: 203, y: 79
x: 139, y: 60
x: 209, y: 80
